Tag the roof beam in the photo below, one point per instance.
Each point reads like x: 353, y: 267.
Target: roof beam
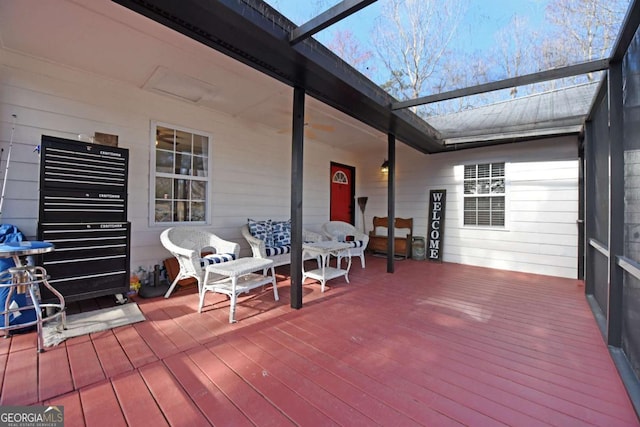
x: 541, y: 76
x: 327, y: 18
x: 627, y: 31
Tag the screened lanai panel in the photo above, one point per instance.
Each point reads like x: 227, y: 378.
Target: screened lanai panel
x: 631, y: 132
x: 598, y: 178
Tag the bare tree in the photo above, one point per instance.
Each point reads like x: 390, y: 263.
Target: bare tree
x: 583, y: 30
x: 346, y: 46
x: 575, y: 31
x: 458, y: 72
x: 514, y: 49
x: 413, y: 40
x: 415, y: 51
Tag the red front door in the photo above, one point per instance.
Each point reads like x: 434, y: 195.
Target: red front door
x: 342, y: 193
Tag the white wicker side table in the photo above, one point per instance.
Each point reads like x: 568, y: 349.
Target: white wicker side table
x: 324, y: 250
x: 237, y: 277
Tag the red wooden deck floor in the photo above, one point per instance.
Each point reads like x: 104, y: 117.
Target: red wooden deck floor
x: 432, y: 344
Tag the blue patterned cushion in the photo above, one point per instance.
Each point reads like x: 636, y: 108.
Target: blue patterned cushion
x: 356, y: 243
x: 281, y: 232
x: 277, y: 250
x: 216, y: 259
x: 261, y: 230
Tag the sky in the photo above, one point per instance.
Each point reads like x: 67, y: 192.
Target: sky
x: 482, y: 20
x: 486, y: 17
x: 476, y: 33
x: 475, y: 44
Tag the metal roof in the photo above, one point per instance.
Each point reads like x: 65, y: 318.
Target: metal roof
x: 556, y: 112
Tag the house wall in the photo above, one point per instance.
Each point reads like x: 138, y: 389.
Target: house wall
x: 541, y: 234
x: 251, y: 171
x: 251, y: 165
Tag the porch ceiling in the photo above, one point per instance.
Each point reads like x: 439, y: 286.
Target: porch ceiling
x: 105, y: 39
x: 257, y: 35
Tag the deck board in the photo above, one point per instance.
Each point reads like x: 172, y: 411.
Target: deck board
x: 137, y: 351
x: 54, y: 373
x: 408, y: 410
x: 405, y: 370
x: 258, y: 410
x: 113, y: 358
x: 317, y: 396
x: 210, y: 400
x: 433, y: 344
x: 84, y: 362
x: 298, y: 409
x: 177, y: 335
x: 100, y: 405
x: 73, y: 416
x: 473, y: 366
x: 176, y: 405
x: 137, y: 403
x: 20, y: 385
x: 368, y: 396
x: 157, y: 341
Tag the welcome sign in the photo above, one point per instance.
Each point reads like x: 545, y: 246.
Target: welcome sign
x: 437, y: 201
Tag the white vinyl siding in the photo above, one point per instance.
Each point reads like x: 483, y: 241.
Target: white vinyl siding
x: 249, y: 163
x: 541, y: 191
x: 251, y: 173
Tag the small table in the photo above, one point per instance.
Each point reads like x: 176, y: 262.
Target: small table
x: 324, y: 250
x: 17, y: 249
x: 23, y: 279
x: 239, y: 277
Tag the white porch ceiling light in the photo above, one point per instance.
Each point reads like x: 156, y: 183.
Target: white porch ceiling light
x: 177, y: 85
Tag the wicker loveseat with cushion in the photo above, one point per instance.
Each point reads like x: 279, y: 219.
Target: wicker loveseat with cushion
x: 188, y: 244
x: 345, y: 232
x: 272, y: 239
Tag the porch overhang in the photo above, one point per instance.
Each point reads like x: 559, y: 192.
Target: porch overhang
x: 257, y: 35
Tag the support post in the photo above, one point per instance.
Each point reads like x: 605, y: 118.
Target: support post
x: 616, y: 204
x: 589, y: 207
x: 391, y: 202
x: 581, y: 204
x: 297, y: 159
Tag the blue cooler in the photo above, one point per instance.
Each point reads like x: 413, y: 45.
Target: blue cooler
x: 10, y: 233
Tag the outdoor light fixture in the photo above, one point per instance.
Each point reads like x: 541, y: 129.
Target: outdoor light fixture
x: 384, y: 168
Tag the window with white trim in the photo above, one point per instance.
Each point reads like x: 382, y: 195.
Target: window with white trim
x: 484, y: 195
x: 180, y: 175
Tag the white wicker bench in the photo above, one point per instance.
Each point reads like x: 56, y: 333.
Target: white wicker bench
x: 280, y: 255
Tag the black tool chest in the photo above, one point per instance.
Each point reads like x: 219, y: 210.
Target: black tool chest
x: 83, y: 212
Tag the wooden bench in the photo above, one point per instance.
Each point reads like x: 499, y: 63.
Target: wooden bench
x: 378, y: 242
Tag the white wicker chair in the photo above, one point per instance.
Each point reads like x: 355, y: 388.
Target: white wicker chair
x: 187, y: 244
x: 338, y: 230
